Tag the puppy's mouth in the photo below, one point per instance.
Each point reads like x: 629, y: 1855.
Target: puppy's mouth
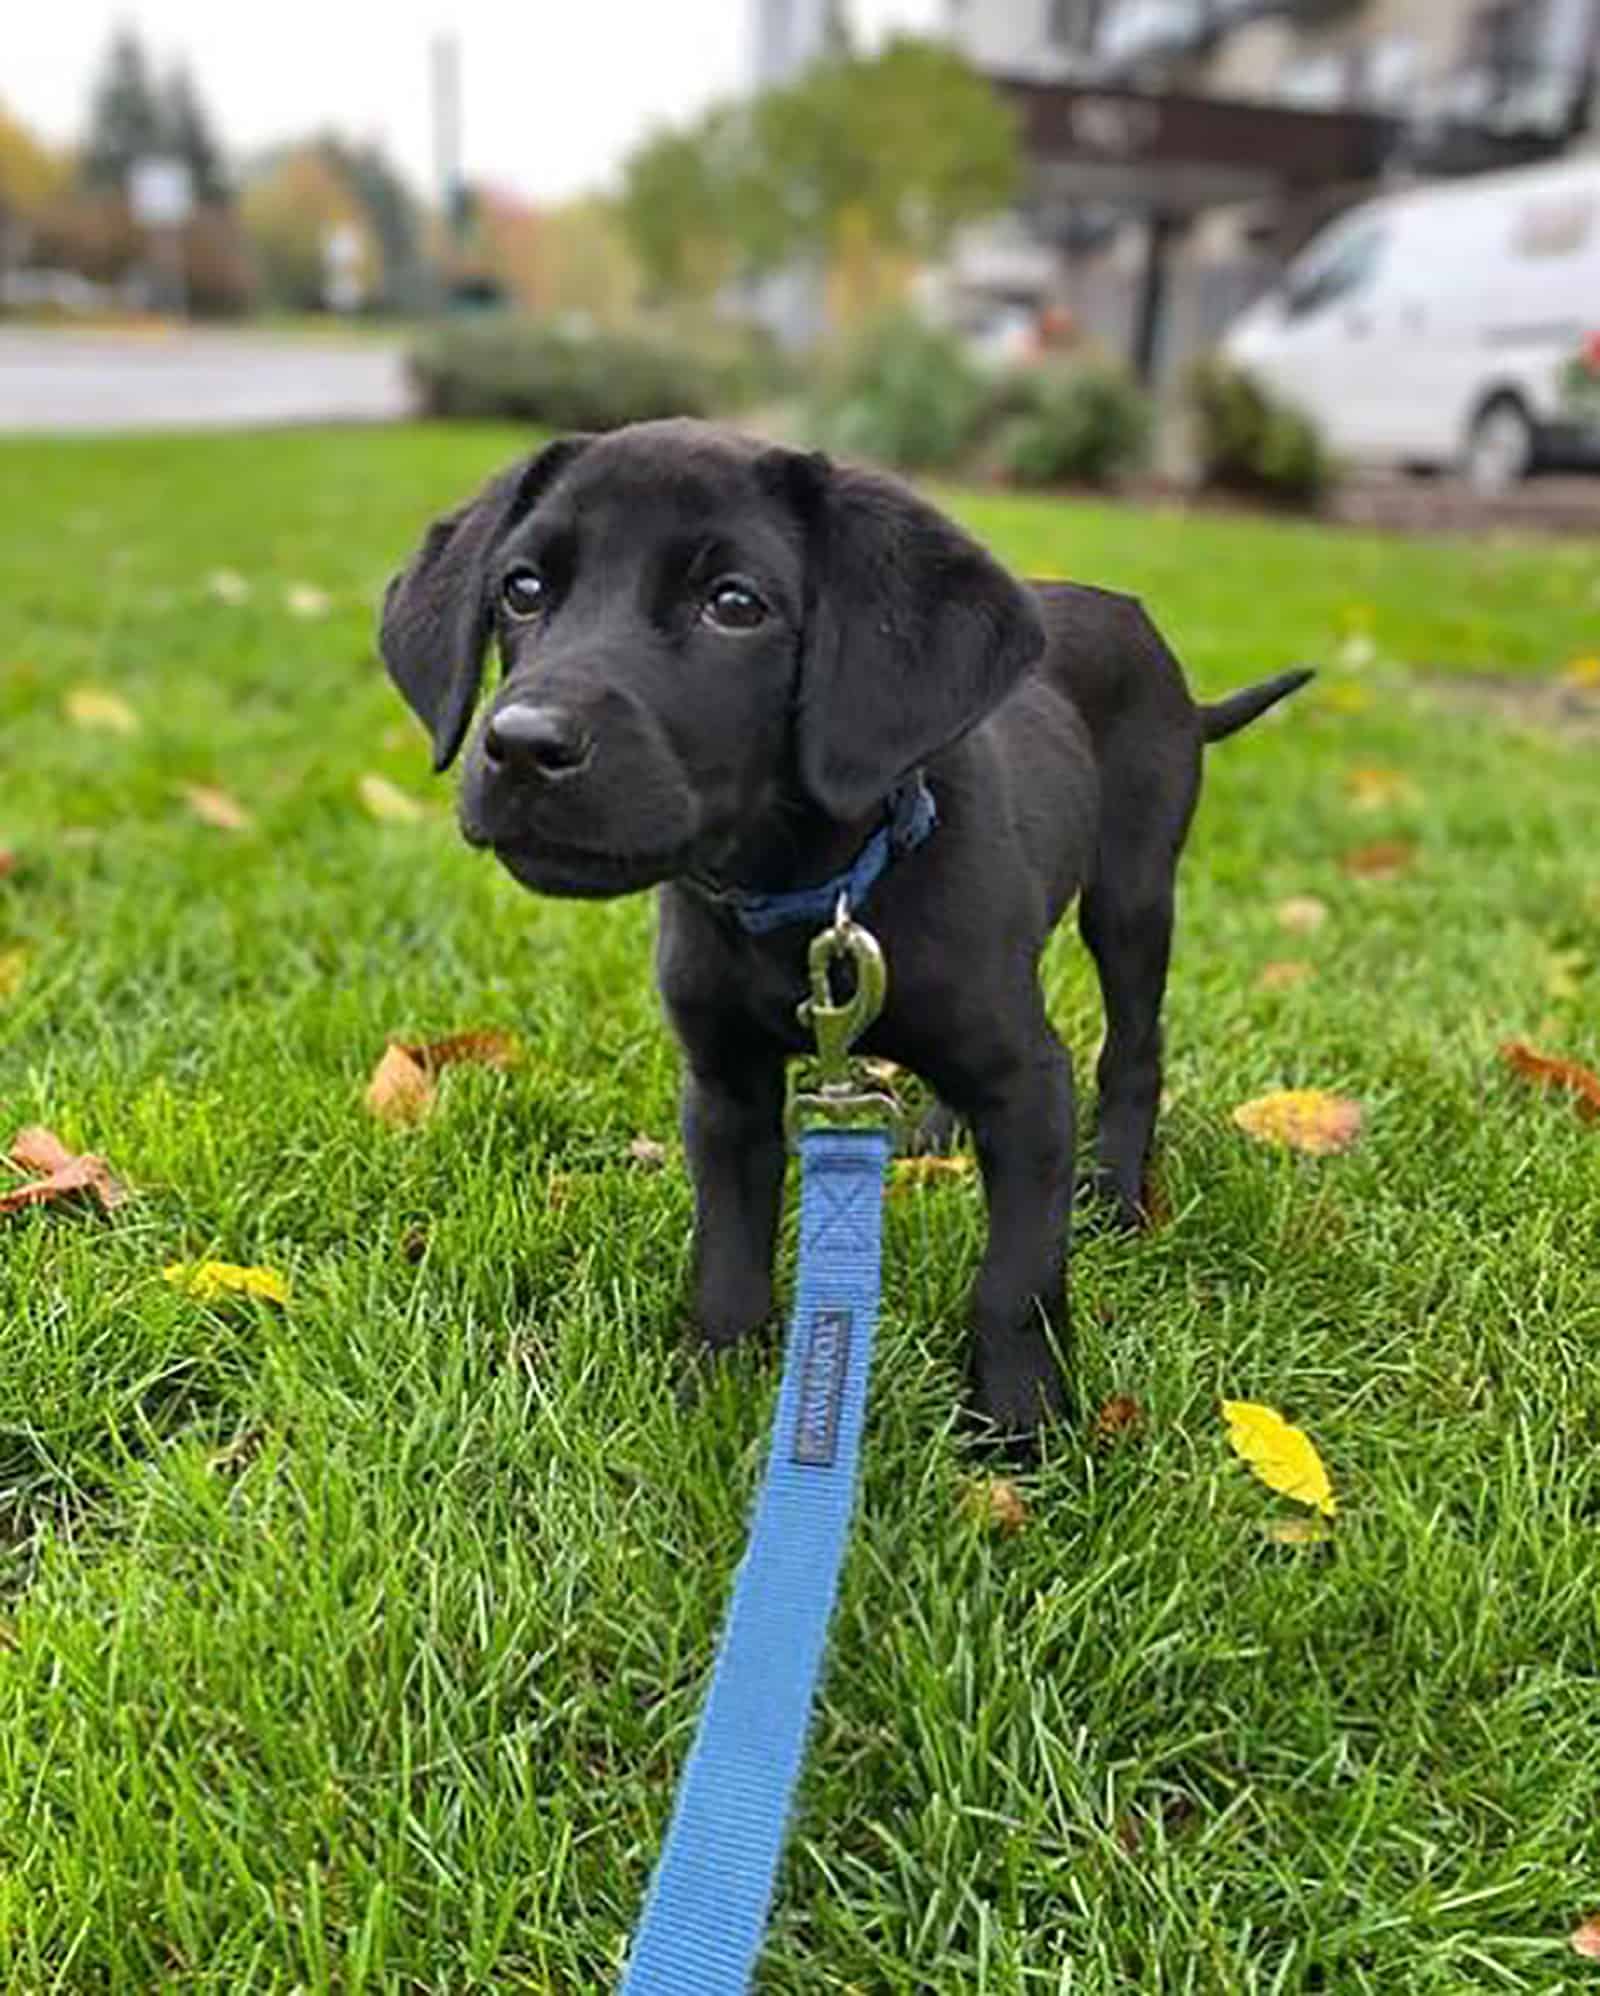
x: 579, y: 872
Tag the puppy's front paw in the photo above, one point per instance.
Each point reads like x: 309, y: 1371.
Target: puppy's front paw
x: 1105, y: 1201
x: 1017, y: 1386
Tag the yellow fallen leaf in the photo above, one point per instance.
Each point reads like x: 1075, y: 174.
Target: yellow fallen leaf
x: 304, y: 599
x: 216, y: 808
x: 1563, y: 972
x: 385, y: 801
x: 1283, y: 1457
x: 88, y: 707
x: 930, y: 1170
x: 1305, y: 1119
x: 1371, y: 788
x: 1297, y: 1532
x: 1583, y: 674
x: 1283, y: 976
x: 1301, y: 914
x: 1344, y: 698
x: 13, y: 969
x: 209, y: 1281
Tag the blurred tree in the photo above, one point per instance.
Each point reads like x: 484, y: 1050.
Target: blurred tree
x: 287, y: 212
x: 585, y: 265
x: 31, y: 174
x: 126, y: 119
x: 186, y: 134
x: 396, y: 222
x: 884, y: 155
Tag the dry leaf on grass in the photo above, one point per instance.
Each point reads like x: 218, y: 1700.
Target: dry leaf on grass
x: 997, y: 1502
x: 58, y: 1173
x: 1301, y: 914
x: 1304, y: 1119
x: 304, y: 599
x: 1283, y: 1457
x: 1582, y: 1083
x: 1583, y: 675
x: 13, y: 969
x: 402, y: 1086
x: 1284, y: 975
x: 930, y: 1170
x: 1119, y: 1419
x: 649, y: 1152
x: 1343, y: 699
x: 1297, y: 1532
x: 227, y: 587
x: 1370, y: 788
x: 216, y: 808
x: 88, y: 707
x: 210, y: 1281
x: 387, y: 802
x: 1381, y: 860
x: 8, y: 862
x: 1585, y: 1938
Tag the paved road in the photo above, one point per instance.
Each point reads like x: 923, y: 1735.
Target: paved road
x: 160, y: 380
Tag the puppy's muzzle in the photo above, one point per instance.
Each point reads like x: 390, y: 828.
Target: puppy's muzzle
x: 537, y: 744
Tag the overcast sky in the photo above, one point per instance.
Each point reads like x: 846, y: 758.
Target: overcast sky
x: 555, y: 91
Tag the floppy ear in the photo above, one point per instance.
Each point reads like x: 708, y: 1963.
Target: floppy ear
x: 912, y: 634
x: 436, y: 612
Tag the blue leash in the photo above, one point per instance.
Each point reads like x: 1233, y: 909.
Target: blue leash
x: 706, y: 1912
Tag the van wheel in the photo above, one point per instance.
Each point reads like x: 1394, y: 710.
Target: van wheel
x: 1502, y: 446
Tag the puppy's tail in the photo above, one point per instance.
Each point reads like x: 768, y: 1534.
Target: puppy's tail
x: 1226, y: 717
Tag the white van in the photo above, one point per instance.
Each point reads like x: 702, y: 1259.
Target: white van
x: 1434, y: 327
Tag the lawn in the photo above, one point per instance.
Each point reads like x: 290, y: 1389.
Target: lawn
x: 354, y: 1645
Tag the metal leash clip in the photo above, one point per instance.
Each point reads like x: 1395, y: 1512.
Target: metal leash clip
x: 844, y: 1095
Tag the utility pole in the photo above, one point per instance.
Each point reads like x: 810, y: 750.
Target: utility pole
x: 444, y: 59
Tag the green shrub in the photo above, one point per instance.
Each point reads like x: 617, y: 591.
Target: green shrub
x: 903, y: 393
x: 1072, y: 425
x: 1250, y: 442
x: 566, y: 378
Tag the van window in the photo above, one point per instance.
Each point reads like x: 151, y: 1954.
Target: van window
x: 1339, y: 270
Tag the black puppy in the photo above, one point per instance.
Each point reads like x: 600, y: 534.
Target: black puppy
x: 743, y: 671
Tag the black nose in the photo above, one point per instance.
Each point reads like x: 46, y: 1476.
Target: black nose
x: 535, y: 741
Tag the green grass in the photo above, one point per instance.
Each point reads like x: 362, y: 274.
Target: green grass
x: 356, y: 1646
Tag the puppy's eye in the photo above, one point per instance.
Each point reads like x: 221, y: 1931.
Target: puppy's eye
x: 524, y: 593
x: 734, y: 606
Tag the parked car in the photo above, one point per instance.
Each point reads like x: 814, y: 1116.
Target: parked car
x: 1445, y: 325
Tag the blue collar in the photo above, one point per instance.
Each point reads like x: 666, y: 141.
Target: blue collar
x: 910, y: 814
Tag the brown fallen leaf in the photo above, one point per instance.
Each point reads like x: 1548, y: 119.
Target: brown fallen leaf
x: 1301, y: 914
x: 402, y: 1088
x: 13, y: 969
x: 8, y: 862
x: 929, y: 1170
x: 216, y: 808
x: 1381, y: 860
x: 647, y: 1151
x: 1585, y: 1938
x: 89, y: 707
x: 1582, y: 1083
x: 60, y: 1173
x: 484, y: 1046
x: 386, y: 802
x: 997, y: 1502
x: 1284, y: 975
x: 1120, y: 1419
x: 1303, y: 1119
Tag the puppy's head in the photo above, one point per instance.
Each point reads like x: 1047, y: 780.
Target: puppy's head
x: 697, y: 632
